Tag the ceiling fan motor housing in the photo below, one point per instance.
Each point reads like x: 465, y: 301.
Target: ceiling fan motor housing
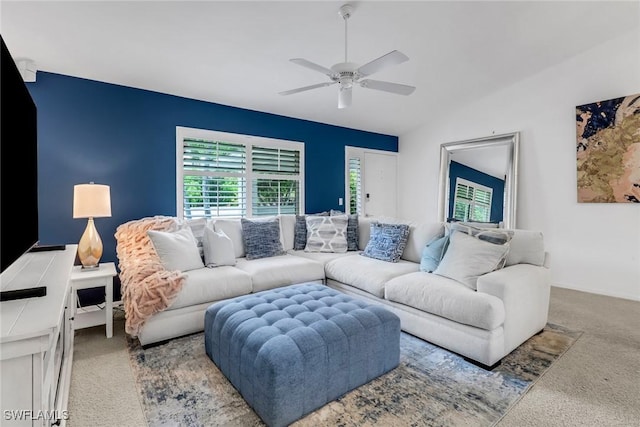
x: 345, y: 73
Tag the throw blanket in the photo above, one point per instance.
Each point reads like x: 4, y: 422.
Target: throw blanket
x: 147, y: 287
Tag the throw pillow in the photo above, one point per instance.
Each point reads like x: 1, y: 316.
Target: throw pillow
x: 469, y: 257
x: 300, y: 233
x: 492, y: 235
x: 387, y: 241
x: 178, y: 250
x: 261, y: 238
x: 233, y: 229
x: 326, y: 233
x: 197, y: 226
x: 218, y: 248
x: 352, y: 230
x: 433, y: 253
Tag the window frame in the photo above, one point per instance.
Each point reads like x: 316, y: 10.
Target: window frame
x: 472, y: 203
x: 248, y: 141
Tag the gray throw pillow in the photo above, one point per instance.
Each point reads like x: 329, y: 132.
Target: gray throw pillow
x: 261, y: 238
x: 327, y: 233
x: 387, y: 241
x: 300, y: 233
x: 469, y: 257
x: 353, y: 234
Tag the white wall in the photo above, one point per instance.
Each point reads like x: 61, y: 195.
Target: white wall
x: 593, y: 247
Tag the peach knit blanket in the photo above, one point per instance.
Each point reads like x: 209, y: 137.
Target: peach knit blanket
x: 147, y: 287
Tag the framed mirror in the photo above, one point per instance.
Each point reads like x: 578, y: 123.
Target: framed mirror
x: 479, y: 180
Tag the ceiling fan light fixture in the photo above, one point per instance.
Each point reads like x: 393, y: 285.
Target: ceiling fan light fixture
x: 347, y: 74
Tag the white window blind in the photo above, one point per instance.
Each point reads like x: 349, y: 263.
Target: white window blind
x: 472, y: 201
x: 276, y: 183
x: 355, y: 187
x: 230, y: 175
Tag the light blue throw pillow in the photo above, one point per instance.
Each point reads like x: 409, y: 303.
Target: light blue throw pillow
x: 433, y: 253
x: 387, y: 241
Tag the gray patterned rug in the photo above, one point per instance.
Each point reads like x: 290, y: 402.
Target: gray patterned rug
x: 179, y: 385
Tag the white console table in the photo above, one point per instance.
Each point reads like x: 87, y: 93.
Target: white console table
x: 36, y: 340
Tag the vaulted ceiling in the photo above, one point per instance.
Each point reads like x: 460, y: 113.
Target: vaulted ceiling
x: 237, y: 53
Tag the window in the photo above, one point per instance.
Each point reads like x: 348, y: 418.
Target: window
x: 472, y: 201
x: 230, y: 175
x: 355, y: 187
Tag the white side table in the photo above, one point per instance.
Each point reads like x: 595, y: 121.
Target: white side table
x: 87, y: 279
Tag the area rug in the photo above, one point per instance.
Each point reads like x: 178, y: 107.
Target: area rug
x: 179, y: 385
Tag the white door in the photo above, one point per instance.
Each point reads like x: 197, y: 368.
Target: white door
x: 380, y: 184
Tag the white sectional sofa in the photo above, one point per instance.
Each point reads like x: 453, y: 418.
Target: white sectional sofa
x: 484, y: 325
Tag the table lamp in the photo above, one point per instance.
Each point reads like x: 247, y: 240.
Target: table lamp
x: 91, y: 201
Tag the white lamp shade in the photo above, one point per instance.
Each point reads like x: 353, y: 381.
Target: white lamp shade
x: 91, y: 201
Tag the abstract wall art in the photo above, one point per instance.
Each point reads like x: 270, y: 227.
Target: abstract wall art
x: 608, y: 151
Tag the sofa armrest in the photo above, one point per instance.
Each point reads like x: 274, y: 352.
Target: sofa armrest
x: 524, y: 289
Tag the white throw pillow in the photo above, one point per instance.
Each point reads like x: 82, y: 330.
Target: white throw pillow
x: 468, y: 257
x: 218, y: 248
x: 233, y: 229
x: 178, y: 250
x: 327, y: 233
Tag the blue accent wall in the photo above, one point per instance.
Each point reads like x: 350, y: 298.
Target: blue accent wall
x: 458, y: 170
x: 126, y: 138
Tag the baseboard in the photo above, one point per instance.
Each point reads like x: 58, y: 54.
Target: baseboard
x: 598, y: 292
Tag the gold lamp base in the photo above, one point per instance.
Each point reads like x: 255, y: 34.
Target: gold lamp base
x: 90, y: 247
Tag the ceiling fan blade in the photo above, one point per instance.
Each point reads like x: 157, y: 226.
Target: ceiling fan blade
x: 344, y: 97
x: 394, y: 57
x: 387, y: 86
x: 313, y: 66
x: 302, y: 89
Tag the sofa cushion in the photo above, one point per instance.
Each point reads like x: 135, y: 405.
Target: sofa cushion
x: 287, y: 226
x: 364, y: 230
x: 269, y: 273
x: 526, y: 247
x: 322, y: 257
x: 367, y: 274
x: 419, y: 236
x: 177, y: 250
x: 261, y: 238
x: 212, y: 284
x: 446, y: 298
x: 468, y: 257
x: 326, y: 233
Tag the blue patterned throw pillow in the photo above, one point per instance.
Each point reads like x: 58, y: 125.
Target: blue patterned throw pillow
x: 261, y: 238
x: 387, y: 241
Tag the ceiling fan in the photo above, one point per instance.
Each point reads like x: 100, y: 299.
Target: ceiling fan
x: 347, y: 74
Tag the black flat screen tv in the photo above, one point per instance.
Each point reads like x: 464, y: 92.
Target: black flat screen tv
x: 18, y: 164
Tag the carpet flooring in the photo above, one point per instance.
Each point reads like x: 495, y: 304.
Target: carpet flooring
x: 177, y: 384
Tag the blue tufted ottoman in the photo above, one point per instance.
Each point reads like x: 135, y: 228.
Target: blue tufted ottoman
x: 291, y: 350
